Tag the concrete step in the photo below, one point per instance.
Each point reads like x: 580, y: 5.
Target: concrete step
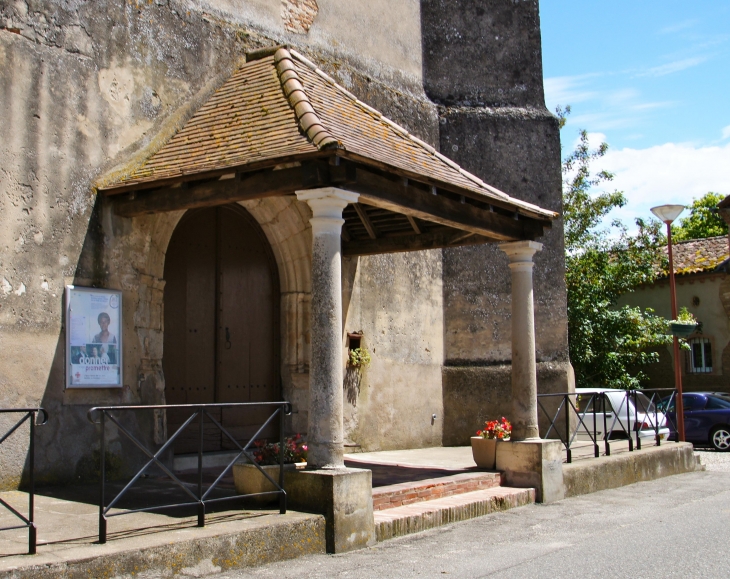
x: 388, y: 497
x: 417, y: 517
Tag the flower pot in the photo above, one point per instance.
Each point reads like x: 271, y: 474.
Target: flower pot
x: 249, y: 480
x: 484, y: 451
x: 682, y: 330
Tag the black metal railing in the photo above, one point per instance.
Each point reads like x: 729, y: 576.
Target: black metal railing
x: 572, y: 414
x: 201, y: 496
x: 29, y: 415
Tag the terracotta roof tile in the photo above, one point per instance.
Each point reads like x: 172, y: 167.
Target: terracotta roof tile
x: 283, y: 106
x: 699, y: 255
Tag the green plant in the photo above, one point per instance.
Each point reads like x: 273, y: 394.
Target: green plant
x: 685, y: 317
x: 359, y: 358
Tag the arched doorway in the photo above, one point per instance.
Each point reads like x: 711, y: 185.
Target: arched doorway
x: 221, y: 309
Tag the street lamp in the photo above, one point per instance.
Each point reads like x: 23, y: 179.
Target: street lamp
x: 668, y: 213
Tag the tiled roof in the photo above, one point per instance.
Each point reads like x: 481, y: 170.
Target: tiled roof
x: 281, y: 108
x: 699, y: 255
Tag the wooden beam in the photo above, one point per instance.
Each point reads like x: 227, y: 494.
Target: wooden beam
x: 413, y: 223
x: 345, y: 233
x: 380, y: 191
x: 257, y: 185
x: 365, y: 220
x: 437, y: 238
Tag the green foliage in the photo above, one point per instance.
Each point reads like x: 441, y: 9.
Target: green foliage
x: 685, y: 317
x: 608, y: 344
x: 702, y: 221
x: 359, y: 358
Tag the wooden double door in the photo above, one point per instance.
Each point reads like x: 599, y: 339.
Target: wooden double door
x: 221, y: 328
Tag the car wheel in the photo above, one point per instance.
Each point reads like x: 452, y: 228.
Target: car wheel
x: 720, y: 438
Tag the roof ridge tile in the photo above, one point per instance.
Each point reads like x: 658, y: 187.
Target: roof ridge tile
x: 309, y: 122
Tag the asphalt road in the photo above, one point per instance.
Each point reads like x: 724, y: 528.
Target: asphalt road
x: 677, y: 526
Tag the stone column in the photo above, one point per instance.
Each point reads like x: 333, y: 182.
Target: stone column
x: 325, y: 430
x: 524, y: 373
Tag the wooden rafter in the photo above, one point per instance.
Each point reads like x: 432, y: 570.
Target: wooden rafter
x: 362, y: 214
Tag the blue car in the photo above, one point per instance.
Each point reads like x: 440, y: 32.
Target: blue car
x: 706, y: 419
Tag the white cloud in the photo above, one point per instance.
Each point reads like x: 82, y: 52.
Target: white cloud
x: 726, y: 132
x: 669, y: 173
x: 675, y: 66
x: 567, y: 90
x: 678, y: 27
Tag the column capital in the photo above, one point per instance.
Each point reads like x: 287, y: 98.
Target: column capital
x: 520, y: 251
x: 325, y: 198
x: 327, y: 204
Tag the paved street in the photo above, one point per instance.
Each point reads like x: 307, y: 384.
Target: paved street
x: 673, y: 527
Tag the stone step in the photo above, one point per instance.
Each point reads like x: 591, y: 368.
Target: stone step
x: 417, y: 517
x: 397, y: 495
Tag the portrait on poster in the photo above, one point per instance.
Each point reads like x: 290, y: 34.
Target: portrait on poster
x: 93, y: 338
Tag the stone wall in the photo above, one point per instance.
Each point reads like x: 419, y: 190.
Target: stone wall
x: 483, y: 64
x: 86, y: 86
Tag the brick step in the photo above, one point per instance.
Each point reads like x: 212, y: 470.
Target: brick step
x: 417, y: 517
x: 391, y: 496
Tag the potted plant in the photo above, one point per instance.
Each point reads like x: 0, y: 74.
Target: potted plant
x: 359, y: 357
x: 684, y: 325
x: 484, y: 444
x: 249, y: 480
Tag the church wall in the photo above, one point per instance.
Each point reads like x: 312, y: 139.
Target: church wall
x: 483, y: 64
x: 83, y: 87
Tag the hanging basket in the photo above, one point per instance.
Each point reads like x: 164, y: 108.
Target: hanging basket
x: 682, y: 330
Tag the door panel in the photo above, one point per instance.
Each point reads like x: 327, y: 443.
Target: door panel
x: 221, y: 324
x: 247, y: 360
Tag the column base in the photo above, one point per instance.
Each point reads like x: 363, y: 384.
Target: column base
x: 534, y: 464
x: 344, y: 496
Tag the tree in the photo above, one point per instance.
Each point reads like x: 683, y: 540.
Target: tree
x: 608, y: 344
x: 703, y: 220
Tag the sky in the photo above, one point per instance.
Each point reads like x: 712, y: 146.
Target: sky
x: 652, y: 79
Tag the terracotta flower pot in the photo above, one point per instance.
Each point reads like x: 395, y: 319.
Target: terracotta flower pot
x: 484, y: 451
x: 249, y: 480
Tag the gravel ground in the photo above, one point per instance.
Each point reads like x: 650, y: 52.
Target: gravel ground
x: 713, y: 460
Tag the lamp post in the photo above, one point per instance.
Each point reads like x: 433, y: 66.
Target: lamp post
x: 668, y: 213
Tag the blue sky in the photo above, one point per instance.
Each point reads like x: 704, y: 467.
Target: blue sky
x: 652, y: 79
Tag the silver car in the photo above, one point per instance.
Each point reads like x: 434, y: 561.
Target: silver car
x: 615, y: 409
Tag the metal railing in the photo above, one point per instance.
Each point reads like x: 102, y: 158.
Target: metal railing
x: 202, y: 496
x: 28, y: 522
x: 582, y: 413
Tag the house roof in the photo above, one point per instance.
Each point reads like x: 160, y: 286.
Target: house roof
x: 699, y: 255
x: 280, y: 108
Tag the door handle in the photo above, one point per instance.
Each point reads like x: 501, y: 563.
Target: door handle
x: 228, y: 339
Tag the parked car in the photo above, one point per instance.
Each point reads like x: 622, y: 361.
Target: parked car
x: 706, y: 419
x: 611, y: 410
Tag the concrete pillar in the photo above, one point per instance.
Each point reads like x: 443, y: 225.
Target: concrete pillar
x: 325, y: 436
x: 524, y: 373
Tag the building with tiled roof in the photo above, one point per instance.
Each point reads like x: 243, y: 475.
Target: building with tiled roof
x: 703, y: 287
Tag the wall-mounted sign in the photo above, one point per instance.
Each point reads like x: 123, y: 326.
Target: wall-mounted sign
x: 93, y: 338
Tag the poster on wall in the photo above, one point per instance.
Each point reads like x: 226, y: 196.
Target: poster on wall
x: 93, y: 338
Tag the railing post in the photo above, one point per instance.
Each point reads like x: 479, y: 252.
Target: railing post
x: 32, y: 531
x: 628, y: 421
x: 201, y: 504
x: 605, y: 424
x: 282, y: 493
x: 566, y: 405
x: 637, y: 426
x: 596, y: 452
x: 102, y: 457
